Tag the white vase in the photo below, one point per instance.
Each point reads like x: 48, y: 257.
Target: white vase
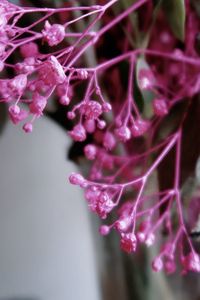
x: 46, y: 245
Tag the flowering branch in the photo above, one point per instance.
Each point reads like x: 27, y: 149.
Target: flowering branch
x: 126, y: 115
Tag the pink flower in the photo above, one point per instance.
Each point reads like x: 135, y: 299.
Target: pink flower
x: 109, y: 141
x: 170, y: 266
x: 160, y: 107
x: 123, y: 133
x: 104, y: 230
x: 90, y: 152
x: 91, y: 110
x: 139, y: 127
x: 191, y: 262
x: 90, y: 125
x: 29, y: 50
x: 51, y: 72
x: 77, y: 179
x: 38, y: 104
x: 18, y: 83
x: 123, y: 223
x: 128, y: 242
x: 28, y: 127
x: 146, y: 79
x: 157, y: 264
x: 129, y: 146
x: 16, y: 115
x: 104, y: 204
x: 78, y: 133
x: 53, y: 34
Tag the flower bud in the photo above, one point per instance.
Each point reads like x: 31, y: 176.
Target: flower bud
x: 18, y: 83
x: 109, y: 141
x: 53, y: 34
x: 157, y: 264
x: 139, y: 127
x: 78, y: 133
x: 160, y: 107
x: 191, y: 262
x: 77, y: 179
x: 106, y: 107
x: 128, y: 242
x: 104, y: 230
x: 28, y: 127
x: 123, y: 133
x: 71, y: 115
x: 90, y: 152
x: 64, y: 100
x: 90, y: 126
x: 101, y: 124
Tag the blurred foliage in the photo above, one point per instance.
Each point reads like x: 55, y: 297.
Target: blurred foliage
x: 175, y: 12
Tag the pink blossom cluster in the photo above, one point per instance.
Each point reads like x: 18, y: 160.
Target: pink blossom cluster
x: 128, y: 144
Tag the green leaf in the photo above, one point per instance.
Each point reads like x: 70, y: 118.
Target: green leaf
x: 176, y: 14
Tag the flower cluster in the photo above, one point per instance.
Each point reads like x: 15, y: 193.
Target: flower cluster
x: 130, y: 109
x: 38, y: 76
